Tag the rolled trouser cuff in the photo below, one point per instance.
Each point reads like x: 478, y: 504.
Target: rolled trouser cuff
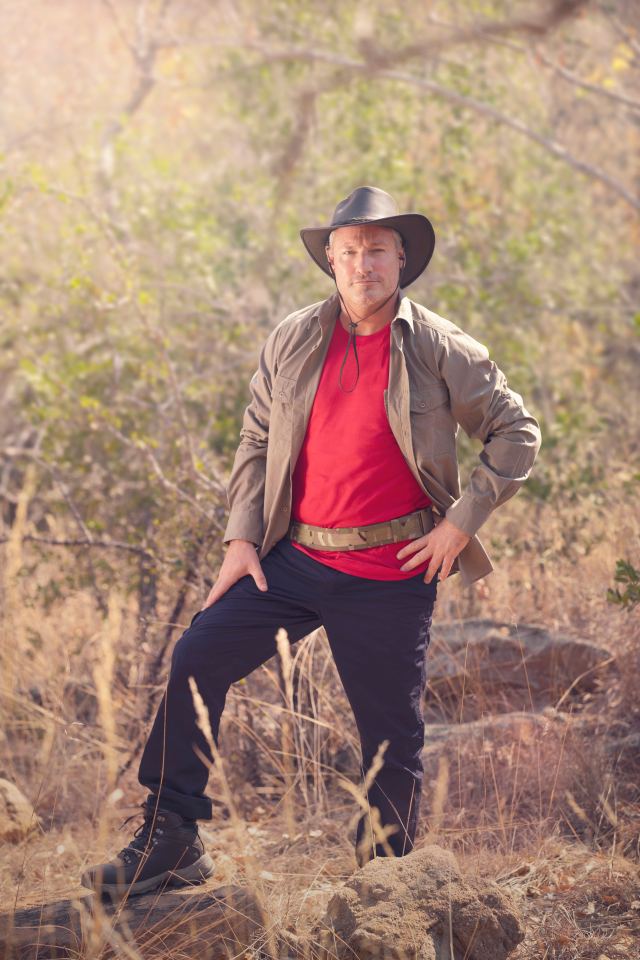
x: 191, y: 808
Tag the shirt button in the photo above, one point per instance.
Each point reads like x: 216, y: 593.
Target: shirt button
x: 422, y: 403
x: 282, y: 394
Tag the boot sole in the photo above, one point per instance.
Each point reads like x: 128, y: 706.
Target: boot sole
x: 195, y: 873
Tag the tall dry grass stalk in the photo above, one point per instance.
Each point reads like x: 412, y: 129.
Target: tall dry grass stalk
x: 101, y: 937
x: 377, y: 833
x: 14, y: 636
x: 305, y: 728
x: 243, y: 844
x: 286, y: 666
x: 310, y: 730
x: 440, y: 794
x: 301, y: 746
x: 308, y: 720
x: 103, y: 677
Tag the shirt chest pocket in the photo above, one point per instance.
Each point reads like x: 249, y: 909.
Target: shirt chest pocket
x: 282, y: 397
x: 426, y: 398
x: 432, y: 425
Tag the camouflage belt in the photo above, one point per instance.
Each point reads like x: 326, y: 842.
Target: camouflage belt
x: 407, y: 527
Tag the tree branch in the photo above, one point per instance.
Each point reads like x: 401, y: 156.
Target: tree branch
x: 557, y: 13
x: 143, y: 52
x: 584, y: 85
x: 621, y: 29
x: 561, y: 71
x: 101, y: 544
x: 556, y: 149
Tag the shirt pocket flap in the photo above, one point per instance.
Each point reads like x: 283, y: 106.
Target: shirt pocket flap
x: 429, y: 397
x: 283, y: 389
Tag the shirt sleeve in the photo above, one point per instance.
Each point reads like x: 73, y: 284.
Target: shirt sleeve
x: 245, y: 489
x: 487, y: 410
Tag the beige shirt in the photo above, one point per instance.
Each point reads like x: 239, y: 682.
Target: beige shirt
x: 439, y: 378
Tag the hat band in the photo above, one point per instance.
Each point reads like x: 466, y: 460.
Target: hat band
x: 345, y: 223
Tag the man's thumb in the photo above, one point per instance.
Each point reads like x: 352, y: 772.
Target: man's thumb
x: 260, y: 579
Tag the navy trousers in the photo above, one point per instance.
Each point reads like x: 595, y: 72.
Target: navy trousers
x: 378, y: 632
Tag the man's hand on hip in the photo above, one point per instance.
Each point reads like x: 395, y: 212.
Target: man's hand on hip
x: 240, y: 559
x: 442, y: 545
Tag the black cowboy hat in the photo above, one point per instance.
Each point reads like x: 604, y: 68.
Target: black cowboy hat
x: 371, y: 205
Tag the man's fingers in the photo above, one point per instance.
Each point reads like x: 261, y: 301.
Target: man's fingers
x: 258, y: 576
x: 215, y: 594
x: 220, y: 587
x: 261, y: 583
x: 416, y: 560
x: 432, y: 569
x: 240, y: 561
x: 446, y: 569
x: 418, y: 544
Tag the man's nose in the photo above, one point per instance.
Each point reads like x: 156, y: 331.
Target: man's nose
x: 363, y: 262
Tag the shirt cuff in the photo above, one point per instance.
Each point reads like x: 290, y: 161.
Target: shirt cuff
x: 244, y: 526
x: 467, y: 515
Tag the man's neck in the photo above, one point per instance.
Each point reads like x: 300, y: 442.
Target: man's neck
x: 374, y: 321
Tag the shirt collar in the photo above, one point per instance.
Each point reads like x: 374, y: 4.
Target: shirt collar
x: 329, y: 309
x: 404, y: 310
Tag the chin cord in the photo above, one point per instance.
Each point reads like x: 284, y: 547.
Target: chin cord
x: 352, y: 334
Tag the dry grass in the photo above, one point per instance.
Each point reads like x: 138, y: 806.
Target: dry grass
x: 552, y: 812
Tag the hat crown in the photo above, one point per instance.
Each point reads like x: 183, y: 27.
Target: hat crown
x: 363, y: 205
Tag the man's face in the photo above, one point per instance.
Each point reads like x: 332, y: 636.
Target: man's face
x: 366, y: 261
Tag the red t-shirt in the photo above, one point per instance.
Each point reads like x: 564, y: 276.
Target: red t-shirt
x: 351, y: 471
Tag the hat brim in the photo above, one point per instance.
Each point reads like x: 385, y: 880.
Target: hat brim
x: 414, y: 228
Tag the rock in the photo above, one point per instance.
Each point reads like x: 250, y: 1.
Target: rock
x: 418, y: 907
x: 625, y: 751
x: 217, y: 924
x: 477, y: 666
x: 17, y: 818
x: 492, y: 773
x: 519, y: 726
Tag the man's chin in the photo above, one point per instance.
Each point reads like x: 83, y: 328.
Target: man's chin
x: 367, y: 296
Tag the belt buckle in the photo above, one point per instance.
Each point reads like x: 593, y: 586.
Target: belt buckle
x: 423, y: 519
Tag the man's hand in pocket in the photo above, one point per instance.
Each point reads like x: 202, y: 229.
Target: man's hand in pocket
x: 240, y: 559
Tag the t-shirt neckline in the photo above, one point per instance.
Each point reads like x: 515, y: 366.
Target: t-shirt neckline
x: 363, y: 338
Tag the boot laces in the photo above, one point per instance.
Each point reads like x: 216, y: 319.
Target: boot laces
x: 144, y: 837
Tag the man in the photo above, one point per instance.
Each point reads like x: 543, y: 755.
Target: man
x: 345, y: 510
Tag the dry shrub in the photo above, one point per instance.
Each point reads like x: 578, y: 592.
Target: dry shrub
x: 496, y: 796
x: 502, y: 782
x: 578, y: 905
x: 323, y: 741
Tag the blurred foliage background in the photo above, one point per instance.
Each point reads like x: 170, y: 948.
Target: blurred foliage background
x: 157, y: 161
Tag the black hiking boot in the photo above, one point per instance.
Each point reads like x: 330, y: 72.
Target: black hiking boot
x: 166, y: 850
